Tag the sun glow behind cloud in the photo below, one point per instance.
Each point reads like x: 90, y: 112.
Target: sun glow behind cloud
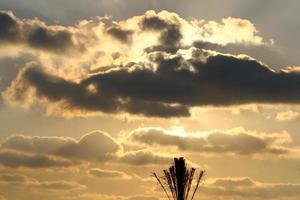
x: 107, y: 46
x: 146, y: 120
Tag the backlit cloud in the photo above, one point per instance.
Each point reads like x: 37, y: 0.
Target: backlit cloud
x: 237, y: 141
x: 95, y: 146
x: 15, y: 159
x: 37, y: 35
x: 161, y: 85
x: 25, y: 181
x: 286, y: 115
x: 163, y: 76
x: 165, y: 86
x: 110, y: 174
x: 144, y: 157
x: 248, y: 188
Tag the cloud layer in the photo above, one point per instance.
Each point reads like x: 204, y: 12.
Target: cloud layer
x: 166, y: 86
x: 144, y: 157
x: 35, y: 152
x: 233, y: 141
x: 17, y: 159
x: 110, y: 174
x: 94, y: 147
x: 25, y: 181
x: 163, y: 76
x: 248, y: 188
x: 155, y: 65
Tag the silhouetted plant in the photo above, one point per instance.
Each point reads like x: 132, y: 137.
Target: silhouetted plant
x: 178, y: 179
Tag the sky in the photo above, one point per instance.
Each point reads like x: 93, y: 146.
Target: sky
x: 96, y: 95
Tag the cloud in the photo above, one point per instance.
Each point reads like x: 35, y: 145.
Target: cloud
x: 120, y: 34
x: 15, y: 159
x: 144, y: 157
x: 60, y: 185
x: 287, y: 115
x: 164, y: 86
x: 234, y: 182
x: 95, y: 146
x: 142, y: 197
x: 78, y: 96
x: 42, y: 144
x: 89, y: 37
x: 22, y: 180
x: 9, y: 67
x: 231, y: 141
x: 37, y: 34
x: 231, y: 30
x: 248, y: 188
x: 15, y: 178
x: 163, y: 76
x: 97, y: 196
x: 170, y: 30
x: 10, y: 29
x: 265, y: 52
x: 52, y: 40
x: 111, y: 174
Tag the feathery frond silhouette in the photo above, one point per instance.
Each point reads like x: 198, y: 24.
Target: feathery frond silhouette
x: 178, y: 179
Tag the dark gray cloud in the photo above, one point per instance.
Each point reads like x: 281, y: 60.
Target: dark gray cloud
x: 16, y: 159
x: 155, y: 109
x: 163, y: 48
x: 170, y: 31
x: 215, y: 142
x: 170, y: 86
x: 95, y: 146
x: 36, y: 34
x: 78, y: 96
x: 53, y: 40
x: 219, y: 80
x: 9, y: 27
x: 154, y: 23
x: 120, y: 34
